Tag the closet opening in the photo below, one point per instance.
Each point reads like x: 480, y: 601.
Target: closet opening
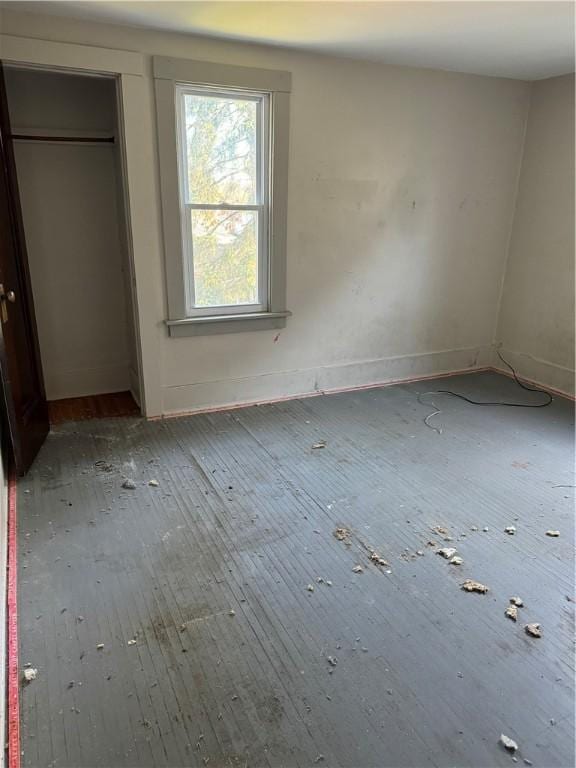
x: 66, y: 134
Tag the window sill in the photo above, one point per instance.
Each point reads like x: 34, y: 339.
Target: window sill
x: 205, y: 326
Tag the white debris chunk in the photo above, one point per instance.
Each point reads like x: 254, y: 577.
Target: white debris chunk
x: 510, y: 530
x: 475, y: 586
x: 446, y: 552
x: 153, y: 483
x: 517, y: 601
x: 231, y: 612
x: 358, y: 569
x: 132, y: 642
x: 508, y: 743
x: 100, y: 646
x: 533, y: 630
x: 319, y: 444
x: 130, y: 485
x: 310, y: 587
x: 30, y: 674
x: 553, y: 534
x: 512, y: 612
x: 457, y: 560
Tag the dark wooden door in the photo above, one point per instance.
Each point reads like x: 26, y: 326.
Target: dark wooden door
x: 24, y: 399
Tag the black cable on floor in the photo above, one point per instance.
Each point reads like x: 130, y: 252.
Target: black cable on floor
x: 489, y: 403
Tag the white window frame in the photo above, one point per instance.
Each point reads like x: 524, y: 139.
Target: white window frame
x: 271, y: 89
x: 262, y: 206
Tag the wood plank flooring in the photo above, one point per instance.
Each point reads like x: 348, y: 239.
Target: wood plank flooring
x: 92, y: 407
x: 215, y: 652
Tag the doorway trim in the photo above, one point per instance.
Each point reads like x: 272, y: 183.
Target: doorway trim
x: 136, y: 143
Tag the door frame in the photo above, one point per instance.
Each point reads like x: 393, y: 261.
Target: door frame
x: 136, y: 142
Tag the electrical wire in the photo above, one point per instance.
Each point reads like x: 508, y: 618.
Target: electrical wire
x: 479, y: 402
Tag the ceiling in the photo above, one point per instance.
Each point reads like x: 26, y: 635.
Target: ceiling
x: 525, y: 39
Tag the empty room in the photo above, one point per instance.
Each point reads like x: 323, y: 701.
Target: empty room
x: 287, y: 373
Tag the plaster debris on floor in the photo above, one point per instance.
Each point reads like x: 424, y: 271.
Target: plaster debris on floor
x: 512, y: 612
x: 342, y: 534
x: 534, y: 630
x: 508, y: 743
x: 446, y: 552
x: 443, y: 532
x: 163, y: 633
x: 30, y: 674
x: 376, y: 558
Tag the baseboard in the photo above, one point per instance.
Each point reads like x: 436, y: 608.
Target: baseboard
x: 285, y: 385
x: 553, y: 377
x: 82, y: 382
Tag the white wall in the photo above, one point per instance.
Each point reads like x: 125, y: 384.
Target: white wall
x: 72, y: 224
x: 401, y: 193
x: 536, y: 324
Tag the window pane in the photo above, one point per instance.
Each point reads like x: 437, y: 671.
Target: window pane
x: 225, y: 256
x: 220, y: 149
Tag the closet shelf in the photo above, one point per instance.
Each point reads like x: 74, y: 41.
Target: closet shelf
x: 51, y: 135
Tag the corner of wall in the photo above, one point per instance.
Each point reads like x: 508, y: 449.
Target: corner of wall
x: 496, y: 340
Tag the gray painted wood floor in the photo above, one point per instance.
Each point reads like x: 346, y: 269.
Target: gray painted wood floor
x: 242, y: 521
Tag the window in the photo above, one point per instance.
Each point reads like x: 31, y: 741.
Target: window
x: 223, y: 163
x: 223, y: 167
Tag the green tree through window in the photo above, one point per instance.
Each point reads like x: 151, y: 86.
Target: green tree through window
x: 222, y: 168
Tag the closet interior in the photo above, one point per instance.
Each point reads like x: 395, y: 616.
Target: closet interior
x: 65, y: 132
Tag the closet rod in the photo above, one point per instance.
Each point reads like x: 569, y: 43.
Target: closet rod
x: 75, y: 139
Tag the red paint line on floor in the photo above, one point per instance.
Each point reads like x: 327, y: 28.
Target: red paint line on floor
x: 12, y: 610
